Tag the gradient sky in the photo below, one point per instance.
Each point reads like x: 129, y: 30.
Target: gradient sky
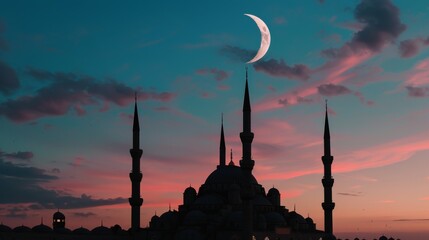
x: 69, y: 70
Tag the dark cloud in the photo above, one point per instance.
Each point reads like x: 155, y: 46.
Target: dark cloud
x: 237, y: 54
x: 358, y: 194
x: 381, y: 25
x: 283, y: 102
x: 68, y: 91
x: 412, y: 220
x: 83, y: 214
x: 332, y: 90
x: 409, y: 48
x: 9, y: 81
x: 417, y: 91
x: 23, y: 186
x: 218, y: 74
x: 16, y: 212
x: 19, y: 171
x: 26, y: 156
x: 276, y: 68
x: 304, y: 100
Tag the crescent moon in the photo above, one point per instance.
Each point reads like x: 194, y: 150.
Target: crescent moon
x: 265, y: 38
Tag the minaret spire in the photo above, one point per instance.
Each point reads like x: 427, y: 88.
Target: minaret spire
x: 247, y: 135
x: 327, y: 181
x: 222, y: 148
x: 135, y: 176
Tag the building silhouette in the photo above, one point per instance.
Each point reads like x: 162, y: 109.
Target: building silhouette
x: 231, y: 204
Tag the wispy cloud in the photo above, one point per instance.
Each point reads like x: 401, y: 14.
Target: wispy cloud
x: 68, y: 91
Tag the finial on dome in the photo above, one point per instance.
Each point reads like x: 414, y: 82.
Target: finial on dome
x: 231, y: 162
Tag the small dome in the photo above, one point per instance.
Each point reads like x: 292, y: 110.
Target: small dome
x: 81, y: 230
x: 101, y: 230
x: 296, y: 218
x: 273, y: 191
x: 190, y: 190
x: 4, y: 228
x: 154, y: 218
x: 41, y: 229
x: 59, y: 215
x: 383, y: 238
x: 170, y: 215
x: 22, y: 229
x: 309, y: 220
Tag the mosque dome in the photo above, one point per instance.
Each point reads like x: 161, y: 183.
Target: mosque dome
x: 170, y: 215
x: 22, y: 229
x: 41, y: 228
x: 309, y: 220
x: 81, y: 230
x: 189, y: 196
x: 190, y: 190
x: 58, y: 215
x: 154, y: 218
x: 296, y: 219
x: 273, y: 196
x: 383, y: 238
x: 101, y: 230
x: 4, y: 228
x: 273, y: 191
x: 227, y: 175
x: 168, y: 220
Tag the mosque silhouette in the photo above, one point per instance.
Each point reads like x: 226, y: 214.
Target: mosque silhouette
x: 229, y: 205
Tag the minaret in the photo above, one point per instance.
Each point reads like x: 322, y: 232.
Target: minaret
x: 247, y: 136
x: 222, y: 148
x: 327, y: 180
x: 135, y: 175
x: 246, y: 164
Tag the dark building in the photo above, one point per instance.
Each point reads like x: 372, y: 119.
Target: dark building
x: 231, y: 204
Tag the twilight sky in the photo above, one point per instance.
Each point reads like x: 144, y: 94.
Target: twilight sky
x: 69, y: 69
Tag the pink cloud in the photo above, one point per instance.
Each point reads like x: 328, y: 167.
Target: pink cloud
x: 419, y: 75
x: 333, y: 72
